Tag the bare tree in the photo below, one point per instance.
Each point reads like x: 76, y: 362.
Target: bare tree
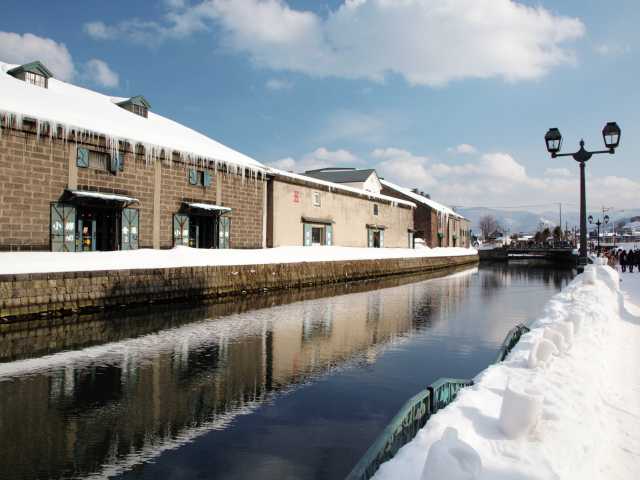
x: 488, y: 224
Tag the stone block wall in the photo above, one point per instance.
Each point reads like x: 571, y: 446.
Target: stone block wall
x: 34, y: 294
x: 33, y: 173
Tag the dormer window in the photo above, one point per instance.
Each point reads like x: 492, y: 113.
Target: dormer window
x: 138, y: 105
x: 34, y: 73
x: 35, y: 79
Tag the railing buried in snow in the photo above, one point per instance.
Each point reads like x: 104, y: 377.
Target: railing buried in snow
x: 415, y: 413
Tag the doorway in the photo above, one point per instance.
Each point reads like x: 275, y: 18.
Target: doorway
x: 203, y: 231
x: 98, y: 228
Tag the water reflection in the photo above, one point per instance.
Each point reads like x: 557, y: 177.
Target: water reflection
x: 100, y: 410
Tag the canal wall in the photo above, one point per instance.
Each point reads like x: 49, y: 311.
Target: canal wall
x: 29, y: 295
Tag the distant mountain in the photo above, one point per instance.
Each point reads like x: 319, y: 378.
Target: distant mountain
x: 529, y: 222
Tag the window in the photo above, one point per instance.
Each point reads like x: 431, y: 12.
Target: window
x: 139, y: 110
x: 316, y: 235
x: 375, y: 209
x: 86, y: 158
x: 199, y: 177
x: 35, y: 79
x: 316, y: 199
x: 98, y: 160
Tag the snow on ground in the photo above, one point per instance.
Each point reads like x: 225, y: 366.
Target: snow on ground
x: 40, y: 262
x: 574, y: 415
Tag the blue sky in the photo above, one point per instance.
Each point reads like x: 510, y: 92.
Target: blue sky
x: 451, y: 97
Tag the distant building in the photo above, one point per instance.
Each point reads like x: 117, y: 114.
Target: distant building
x: 82, y: 171
x: 304, y: 210
x: 437, y: 224
x: 364, y: 179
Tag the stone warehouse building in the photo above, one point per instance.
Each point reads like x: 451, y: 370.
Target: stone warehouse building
x: 437, y: 224
x: 83, y: 171
x: 303, y: 210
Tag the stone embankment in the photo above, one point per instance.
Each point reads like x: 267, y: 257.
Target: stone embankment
x: 29, y: 295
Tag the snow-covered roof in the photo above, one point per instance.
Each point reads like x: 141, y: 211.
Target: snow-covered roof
x: 79, y: 111
x: 336, y: 186
x: 421, y: 199
x: 104, y: 196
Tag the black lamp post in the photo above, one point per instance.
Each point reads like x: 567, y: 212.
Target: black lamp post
x: 553, y: 139
x: 597, y: 224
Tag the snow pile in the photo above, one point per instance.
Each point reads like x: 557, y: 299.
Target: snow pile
x: 565, y: 403
x: 41, y: 262
x: 83, y: 114
x: 451, y: 458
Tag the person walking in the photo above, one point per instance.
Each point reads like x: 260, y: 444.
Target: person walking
x: 623, y: 260
x: 636, y: 257
x: 631, y: 260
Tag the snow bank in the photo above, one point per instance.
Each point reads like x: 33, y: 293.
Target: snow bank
x: 575, y: 415
x: 41, y: 262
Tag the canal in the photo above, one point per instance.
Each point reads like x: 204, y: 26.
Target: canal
x: 282, y: 385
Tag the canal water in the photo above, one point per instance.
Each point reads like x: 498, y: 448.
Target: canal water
x: 289, y: 385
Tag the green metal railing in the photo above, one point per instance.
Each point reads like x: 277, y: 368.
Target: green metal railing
x: 414, y: 414
x: 510, y: 341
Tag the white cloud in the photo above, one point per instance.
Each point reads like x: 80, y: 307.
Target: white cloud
x: 428, y: 42
x: 276, y: 84
x: 612, y: 49
x: 319, y: 158
x: 497, y: 178
x: 354, y: 126
x: 97, y: 71
x: 463, y: 149
x: 16, y: 48
x: 492, y: 179
x: 403, y: 166
x: 557, y: 172
x: 20, y: 49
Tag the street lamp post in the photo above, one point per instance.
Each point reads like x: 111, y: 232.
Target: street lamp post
x: 553, y: 139
x: 598, y: 223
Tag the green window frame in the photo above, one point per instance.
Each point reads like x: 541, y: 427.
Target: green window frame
x: 62, y: 227
x: 180, y: 229
x: 82, y: 157
x: 130, y: 228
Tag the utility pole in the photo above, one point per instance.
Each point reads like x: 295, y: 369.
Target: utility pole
x: 560, y: 205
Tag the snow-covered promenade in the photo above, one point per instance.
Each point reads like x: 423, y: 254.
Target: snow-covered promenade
x: 565, y: 404
x: 45, y: 262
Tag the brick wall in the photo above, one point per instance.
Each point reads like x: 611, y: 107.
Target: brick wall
x: 35, y: 172
x: 136, y: 180
x: 34, y: 294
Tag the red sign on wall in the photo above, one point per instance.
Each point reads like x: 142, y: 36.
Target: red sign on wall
x: 296, y: 197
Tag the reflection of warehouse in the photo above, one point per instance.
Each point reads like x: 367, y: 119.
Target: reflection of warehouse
x: 84, y: 171
x: 187, y: 380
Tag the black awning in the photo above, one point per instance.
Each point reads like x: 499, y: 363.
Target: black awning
x: 324, y: 221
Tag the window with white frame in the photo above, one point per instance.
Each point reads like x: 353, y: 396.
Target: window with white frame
x: 35, y: 79
x: 316, y: 199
